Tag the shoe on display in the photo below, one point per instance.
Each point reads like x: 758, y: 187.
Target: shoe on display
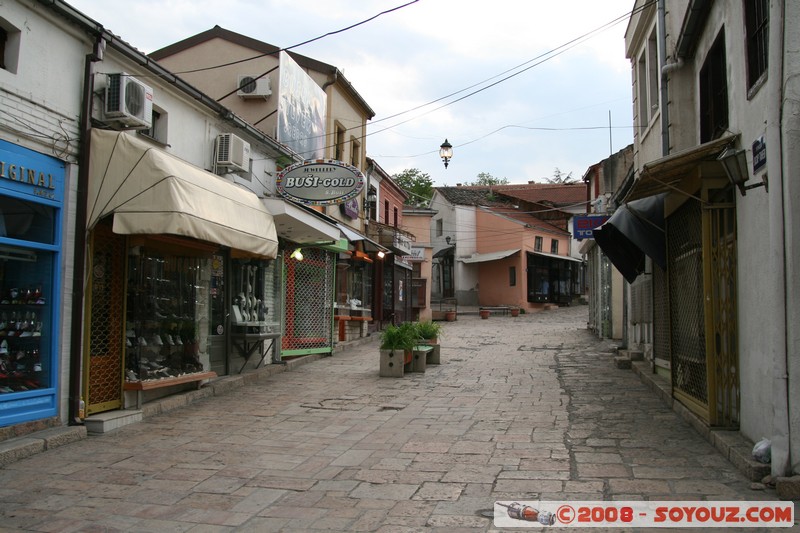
x: 3, y: 347
x: 142, y: 342
x: 156, y: 341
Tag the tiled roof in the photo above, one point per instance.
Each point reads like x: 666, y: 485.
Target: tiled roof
x: 472, y: 196
x: 529, y: 219
x: 556, y: 194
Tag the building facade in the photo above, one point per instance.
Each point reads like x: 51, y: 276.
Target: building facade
x: 715, y: 87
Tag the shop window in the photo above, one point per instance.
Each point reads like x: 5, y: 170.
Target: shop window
x: 553, y: 246
x: 168, y: 311
x: 714, y: 92
x: 756, y: 14
x: 537, y: 244
x: 24, y: 220
x: 26, y: 327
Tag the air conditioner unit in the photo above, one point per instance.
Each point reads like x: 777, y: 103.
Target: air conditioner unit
x: 233, y: 152
x: 129, y: 102
x: 250, y: 87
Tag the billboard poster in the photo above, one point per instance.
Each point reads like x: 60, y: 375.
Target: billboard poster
x: 301, y: 110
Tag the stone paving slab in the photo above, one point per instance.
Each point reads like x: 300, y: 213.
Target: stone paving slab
x: 520, y: 408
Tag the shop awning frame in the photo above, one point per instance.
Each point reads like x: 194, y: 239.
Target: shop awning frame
x: 353, y: 236
x: 488, y: 256
x: 556, y: 256
x: 152, y: 192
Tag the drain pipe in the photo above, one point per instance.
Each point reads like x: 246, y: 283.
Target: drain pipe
x: 666, y: 69
x: 783, y: 120
x: 79, y: 282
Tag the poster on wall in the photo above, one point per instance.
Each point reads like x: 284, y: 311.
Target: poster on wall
x: 301, y: 110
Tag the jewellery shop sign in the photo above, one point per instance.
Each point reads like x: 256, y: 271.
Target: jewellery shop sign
x: 320, y: 182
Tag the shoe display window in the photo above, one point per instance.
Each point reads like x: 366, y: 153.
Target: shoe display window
x: 168, y: 313
x: 25, y: 320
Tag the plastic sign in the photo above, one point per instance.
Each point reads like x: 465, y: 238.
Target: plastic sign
x: 584, y: 226
x: 320, y: 182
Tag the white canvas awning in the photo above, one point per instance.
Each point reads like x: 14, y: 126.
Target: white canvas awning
x: 152, y: 192
x: 490, y: 256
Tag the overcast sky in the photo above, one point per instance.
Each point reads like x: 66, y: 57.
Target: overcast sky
x: 566, y: 106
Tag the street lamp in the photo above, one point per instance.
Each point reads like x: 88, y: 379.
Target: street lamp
x: 734, y: 162
x: 446, y: 152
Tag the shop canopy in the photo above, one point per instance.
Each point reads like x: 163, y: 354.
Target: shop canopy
x: 634, y: 231
x: 353, y: 236
x: 152, y: 192
x: 489, y: 256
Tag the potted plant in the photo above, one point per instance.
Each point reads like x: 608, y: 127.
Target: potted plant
x: 515, y: 311
x: 429, y: 331
x: 484, y: 313
x: 397, y: 344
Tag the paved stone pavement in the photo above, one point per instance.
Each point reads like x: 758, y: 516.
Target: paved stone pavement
x: 521, y: 408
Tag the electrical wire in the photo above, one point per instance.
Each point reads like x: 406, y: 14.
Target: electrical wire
x: 301, y: 44
x: 528, y: 65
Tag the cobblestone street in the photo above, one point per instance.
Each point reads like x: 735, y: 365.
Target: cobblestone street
x: 521, y: 408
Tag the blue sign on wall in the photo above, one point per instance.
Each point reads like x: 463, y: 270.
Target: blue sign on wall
x: 584, y: 226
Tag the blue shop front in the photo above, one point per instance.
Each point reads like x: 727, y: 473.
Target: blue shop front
x: 31, y: 200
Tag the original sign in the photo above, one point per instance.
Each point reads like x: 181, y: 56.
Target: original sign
x: 320, y: 182
x: 584, y: 226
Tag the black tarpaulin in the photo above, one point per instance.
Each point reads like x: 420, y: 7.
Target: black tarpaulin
x: 634, y: 231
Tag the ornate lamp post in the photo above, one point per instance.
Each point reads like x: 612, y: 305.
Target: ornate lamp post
x: 446, y: 152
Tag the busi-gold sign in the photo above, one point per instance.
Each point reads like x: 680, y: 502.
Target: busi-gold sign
x: 320, y: 182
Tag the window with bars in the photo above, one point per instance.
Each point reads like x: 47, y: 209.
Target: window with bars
x: 756, y: 15
x: 537, y: 244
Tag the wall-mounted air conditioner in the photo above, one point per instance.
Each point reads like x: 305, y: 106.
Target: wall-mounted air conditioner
x: 250, y: 87
x: 129, y: 102
x: 233, y: 152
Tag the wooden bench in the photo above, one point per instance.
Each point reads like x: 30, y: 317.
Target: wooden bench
x: 150, y: 384
x: 344, y: 319
x: 505, y: 309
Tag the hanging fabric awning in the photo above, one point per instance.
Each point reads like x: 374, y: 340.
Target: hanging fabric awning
x: 489, y: 256
x: 152, y: 192
x: 634, y: 231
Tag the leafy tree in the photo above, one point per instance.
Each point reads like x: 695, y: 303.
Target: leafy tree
x: 417, y: 184
x: 486, y: 179
x: 560, y: 177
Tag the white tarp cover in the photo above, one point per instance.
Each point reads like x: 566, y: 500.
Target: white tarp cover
x: 151, y: 192
x: 490, y: 256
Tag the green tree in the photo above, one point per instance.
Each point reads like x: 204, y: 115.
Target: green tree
x: 560, y: 177
x: 417, y: 184
x: 485, y: 179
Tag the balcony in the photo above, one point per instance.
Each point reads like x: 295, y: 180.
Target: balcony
x: 397, y: 240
